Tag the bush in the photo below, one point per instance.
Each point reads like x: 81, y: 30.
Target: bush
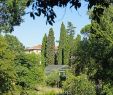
x: 107, y: 90
x: 79, y: 85
x: 50, y: 93
x: 52, y: 79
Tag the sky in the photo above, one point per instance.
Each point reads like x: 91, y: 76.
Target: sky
x: 31, y: 32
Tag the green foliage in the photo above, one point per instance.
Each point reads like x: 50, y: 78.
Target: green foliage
x: 70, y: 41
x: 66, y: 51
x: 107, y: 89
x: 29, y: 71
x: 83, y: 62
x: 46, y: 7
x: 101, y: 39
x: 12, y: 11
x: 66, y: 44
x: 5, y: 82
x: 11, y: 14
x: 7, y: 73
x: 14, y: 44
x: 50, y: 93
x: 71, y: 29
x: 76, y: 46
x: 50, y: 47
x: 86, y: 29
x: 33, y: 59
x: 44, y: 51
x: 61, y: 44
x: 18, y: 70
x: 53, y: 79
x: 79, y: 85
x: 94, y: 53
x: 63, y: 48
x: 91, y: 57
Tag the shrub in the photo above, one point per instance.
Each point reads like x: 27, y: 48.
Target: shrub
x: 50, y: 93
x: 52, y: 79
x: 107, y: 89
x: 79, y: 85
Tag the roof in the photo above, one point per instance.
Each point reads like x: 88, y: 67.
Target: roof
x: 37, y: 47
x: 51, y: 68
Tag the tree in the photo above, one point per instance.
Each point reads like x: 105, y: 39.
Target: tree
x: 50, y: 47
x: 66, y: 51
x: 44, y: 50
x: 14, y: 44
x: 7, y: 72
x: 70, y: 37
x: 101, y: 40
x: 29, y: 71
x: 62, y: 42
x: 53, y: 79
x: 12, y: 51
x: 64, y: 46
x: 100, y: 43
x: 79, y: 56
x: 86, y: 30
x: 46, y: 7
x: 79, y: 85
x: 11, y: 13
x: 71, y: 29
x: 18, y: 71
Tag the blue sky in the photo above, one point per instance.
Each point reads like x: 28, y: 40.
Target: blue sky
x: 31, y: 32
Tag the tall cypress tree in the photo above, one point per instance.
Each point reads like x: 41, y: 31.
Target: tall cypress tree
x: 62, y: 49
x: 43, y: 50
x: 50, y: 47
x: 66, y: 51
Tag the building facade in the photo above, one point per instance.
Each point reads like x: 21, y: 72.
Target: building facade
x: 37, y: 49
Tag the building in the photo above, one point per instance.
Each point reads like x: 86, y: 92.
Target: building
x: 35, y: 49
x: 59, y: 68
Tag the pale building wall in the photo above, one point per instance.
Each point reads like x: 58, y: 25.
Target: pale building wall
x: 33, y: 51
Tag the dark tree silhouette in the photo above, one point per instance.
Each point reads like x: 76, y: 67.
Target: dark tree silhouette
x: 46, y: 7
x: 11, y: 11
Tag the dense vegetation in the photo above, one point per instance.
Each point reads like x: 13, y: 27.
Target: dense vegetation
x: 93, y: 56
x: 18, y: 70
x: 90, y: 56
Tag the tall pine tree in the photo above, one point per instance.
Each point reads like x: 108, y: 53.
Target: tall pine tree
x: 43, y: 50
x: 50, y: 47
x: 70, y: 29
x: 70, y: 38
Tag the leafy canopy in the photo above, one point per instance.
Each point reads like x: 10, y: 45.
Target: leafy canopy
x: 46, y: 7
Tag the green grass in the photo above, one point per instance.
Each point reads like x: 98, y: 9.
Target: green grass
x: 44, y: 90
x: 39, y: 90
